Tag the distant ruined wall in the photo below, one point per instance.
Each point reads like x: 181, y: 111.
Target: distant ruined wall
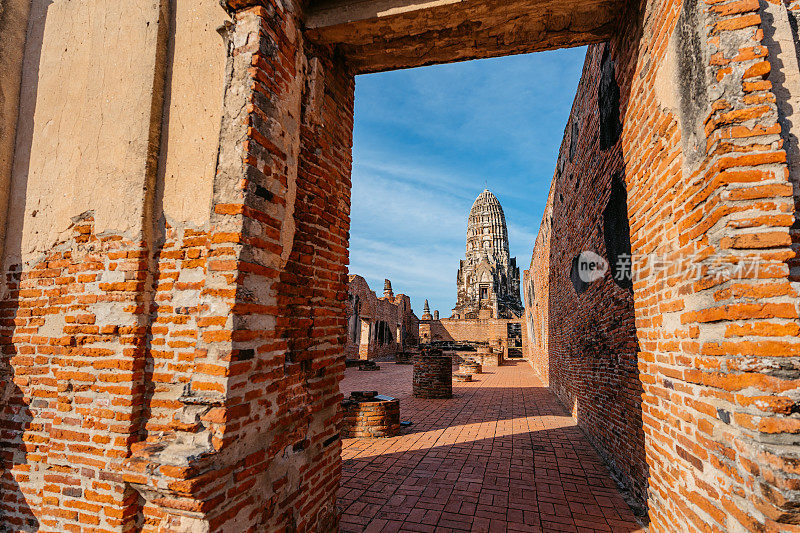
x: 468, y: 330
x: 377, y: 327
x: 410, y: 324
x: 687, y: 381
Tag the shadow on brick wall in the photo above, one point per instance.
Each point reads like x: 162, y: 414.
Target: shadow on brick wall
x: 592, y: 338
x: 782, y: 39
x: 15, y: 419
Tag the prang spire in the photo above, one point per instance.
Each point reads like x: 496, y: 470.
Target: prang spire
x: 488, y: 277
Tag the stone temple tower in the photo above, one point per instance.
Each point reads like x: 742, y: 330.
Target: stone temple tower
x: 488, y: 279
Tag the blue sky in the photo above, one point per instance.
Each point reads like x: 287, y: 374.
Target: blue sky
x: 429, y: 140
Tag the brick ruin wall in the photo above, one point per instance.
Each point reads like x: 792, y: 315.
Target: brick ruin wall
x: 410, y: 323
x: 586, y: 342
x: 171, y: 365
x: 469, y: 330
x: 149, y: 380
x: 365, y: 311
x: 686, y: 382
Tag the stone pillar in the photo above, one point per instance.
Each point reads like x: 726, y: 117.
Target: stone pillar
x: 366, y: 340
x: 387, y: 289
x: 487, y: 356
x: 471, y: 367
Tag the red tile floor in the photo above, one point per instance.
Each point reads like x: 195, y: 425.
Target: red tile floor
x: 501, y: 455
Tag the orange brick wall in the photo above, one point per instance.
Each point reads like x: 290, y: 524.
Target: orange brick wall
x: 154, y: 385
x: 187, y: 377
x: 72, y: 376
x: 588, y: 349
x: 696, y: 418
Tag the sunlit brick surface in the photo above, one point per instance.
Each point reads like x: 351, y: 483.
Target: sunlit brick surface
x: 502, y: 455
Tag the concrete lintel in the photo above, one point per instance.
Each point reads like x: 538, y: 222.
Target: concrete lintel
x: 326, y: 13
x: 377, y: 35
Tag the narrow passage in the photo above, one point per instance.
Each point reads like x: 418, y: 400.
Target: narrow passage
x: 502, y: 455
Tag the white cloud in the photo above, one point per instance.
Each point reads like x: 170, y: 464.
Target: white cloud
x: 415, y: 236
x: 521, y: 241
x: 409, y: 234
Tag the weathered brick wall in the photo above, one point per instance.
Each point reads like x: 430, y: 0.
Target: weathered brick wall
x: 366, y: 314
x: 469, y: 330
x: 703, y: 432
x: 71, y: 378
x: 145, y: 382
x: 179, y: 376
x: 408, y: 320
x: 313, y: 289
x: 274, y: 462
x: 591, y: 338
x: 537, y: 279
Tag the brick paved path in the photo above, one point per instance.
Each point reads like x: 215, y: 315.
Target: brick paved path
x: 502, y: 455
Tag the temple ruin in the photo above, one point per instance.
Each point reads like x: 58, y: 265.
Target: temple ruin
x: 175, y: 191
x: 488, y: 308
x: 488, y: 279
x: 378, y: 327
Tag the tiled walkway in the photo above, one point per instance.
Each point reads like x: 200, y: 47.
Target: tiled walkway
x: 502, y: 455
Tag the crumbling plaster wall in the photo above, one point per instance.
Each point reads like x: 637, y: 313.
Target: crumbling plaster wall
x: 154, y: 238
x: 193, y: 110
x: 88, y: 116
x: 92, y: 116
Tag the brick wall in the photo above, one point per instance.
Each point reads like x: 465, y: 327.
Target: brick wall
x: 367, y: 315
x: 408, y: 320
x: 272, y: 463
x: 145, y: 381
x: 588, y: 349
x: 696, y: 418
x: 72, y: 377
x: 469, y: 330
x: 182, y: 376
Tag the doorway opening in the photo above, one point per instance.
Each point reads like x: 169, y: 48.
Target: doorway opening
x: 426, y: 143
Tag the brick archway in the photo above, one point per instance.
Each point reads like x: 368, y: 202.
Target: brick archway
x: 225, y: 413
